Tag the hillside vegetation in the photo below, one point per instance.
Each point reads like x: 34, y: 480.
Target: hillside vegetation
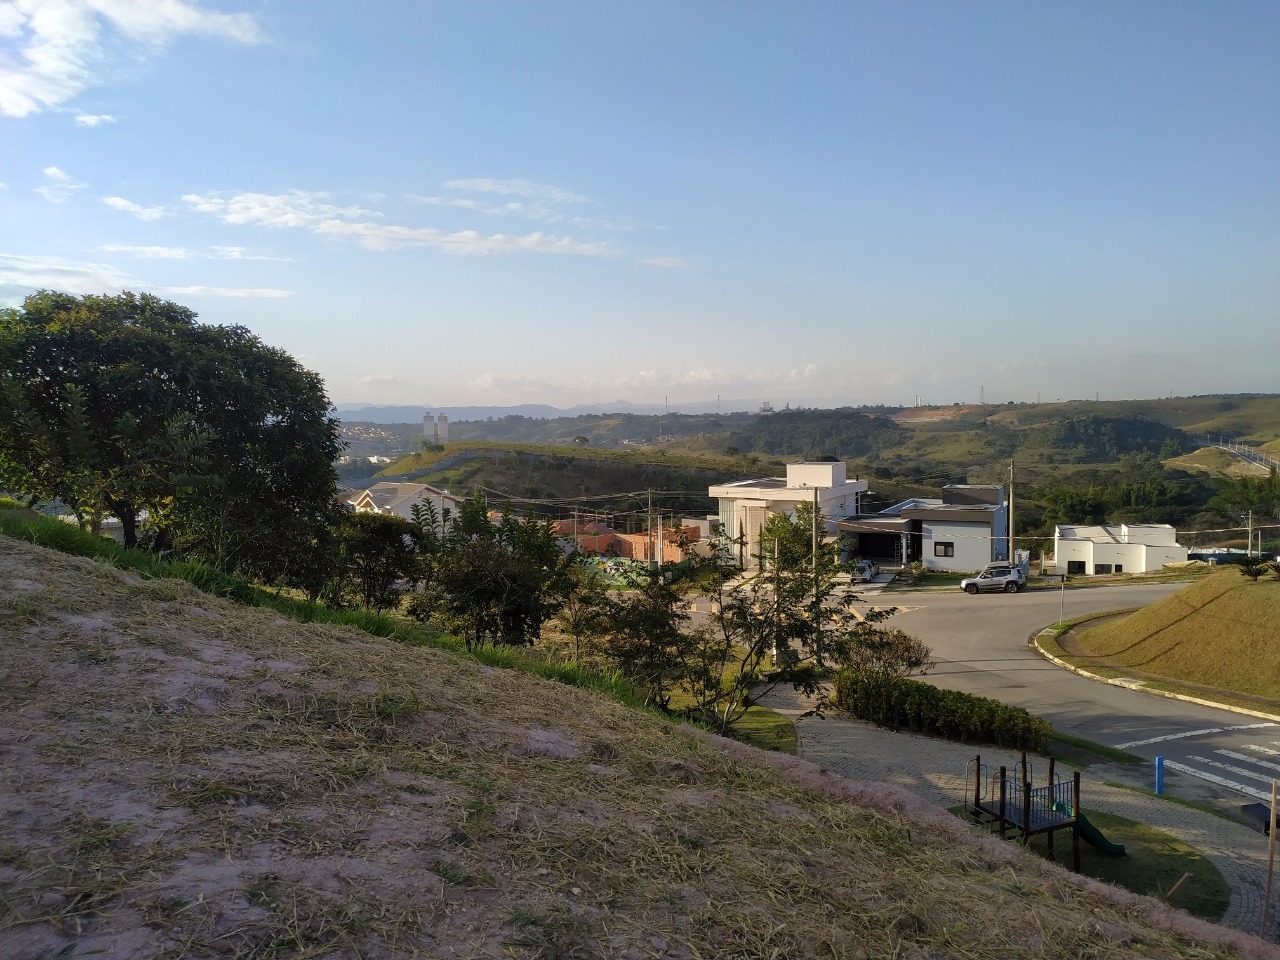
x: 205, y: 780
x: 1220, y: 632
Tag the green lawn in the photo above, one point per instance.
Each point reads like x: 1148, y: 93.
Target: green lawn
x: 1220, y: 632
x: 766, y: 729
x: 1153, y: 863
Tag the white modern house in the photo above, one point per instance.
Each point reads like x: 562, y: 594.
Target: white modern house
x: 962, y: 531
x: 747, y: 504
x: 399, y: 498
x: 1128, y: 548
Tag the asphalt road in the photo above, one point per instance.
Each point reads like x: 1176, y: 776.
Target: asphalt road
x: 980, y: 644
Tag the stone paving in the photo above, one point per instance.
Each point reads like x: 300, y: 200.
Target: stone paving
x: 936, y: 770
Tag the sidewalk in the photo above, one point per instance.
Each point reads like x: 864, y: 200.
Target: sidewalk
x: 935, y: 770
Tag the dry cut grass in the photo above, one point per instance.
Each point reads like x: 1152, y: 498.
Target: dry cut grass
x: 1220, y: 632
x: 183, y: 777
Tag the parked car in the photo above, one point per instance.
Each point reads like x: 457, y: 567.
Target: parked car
x: 994, y: 579
x: 865, y: 570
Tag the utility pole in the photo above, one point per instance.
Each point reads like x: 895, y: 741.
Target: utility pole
x: 650, y: 551
x: 817, y: 613
x: 1248, y: 552
x: 1011, y: 558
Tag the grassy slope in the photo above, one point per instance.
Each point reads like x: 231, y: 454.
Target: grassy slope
x: 207, y: 780
x: 1215, y: 462
x: 1220, y: 632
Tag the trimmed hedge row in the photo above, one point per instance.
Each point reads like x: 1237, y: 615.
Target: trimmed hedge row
x: 923, y: 708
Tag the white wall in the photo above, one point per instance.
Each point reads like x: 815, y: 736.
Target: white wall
x: 972, y: 543
x: 1134, y: 557
x: 816, y: 474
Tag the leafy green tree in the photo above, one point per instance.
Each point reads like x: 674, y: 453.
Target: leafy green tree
x: 782, y: 627
x: 125, y: 404
x: 584, y: 618
x: 496, y: 583
x: 647, y: 640
x: 377, y: 554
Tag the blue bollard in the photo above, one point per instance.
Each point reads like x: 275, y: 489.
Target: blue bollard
x: 1159, y: 776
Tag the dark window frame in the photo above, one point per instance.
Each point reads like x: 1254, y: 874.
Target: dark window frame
x: 943, y: 548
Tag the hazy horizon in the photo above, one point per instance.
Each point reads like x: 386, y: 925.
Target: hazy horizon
x: 822, y: 204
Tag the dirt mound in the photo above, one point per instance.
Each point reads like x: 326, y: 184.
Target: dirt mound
x: 181, y: 777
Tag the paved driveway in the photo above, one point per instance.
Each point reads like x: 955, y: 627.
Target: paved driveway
x: 981, y: 647
x: 936, y: 770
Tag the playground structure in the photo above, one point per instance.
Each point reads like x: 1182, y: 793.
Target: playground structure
x: 1012, y: 800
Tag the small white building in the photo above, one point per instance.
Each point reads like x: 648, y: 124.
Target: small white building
x: 747, y: 504
x: 1128, y: 548
x: 962, y: 531
x: 399, y: 498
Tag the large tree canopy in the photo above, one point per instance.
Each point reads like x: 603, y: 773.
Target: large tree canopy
x: 126, y: 405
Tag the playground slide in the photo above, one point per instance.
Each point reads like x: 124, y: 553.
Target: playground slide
x: 1092, y: 835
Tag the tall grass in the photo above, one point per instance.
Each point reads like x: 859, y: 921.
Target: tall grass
x: 68, y: 538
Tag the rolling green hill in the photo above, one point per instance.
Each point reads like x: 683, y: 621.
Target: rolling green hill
x: 1221, y: 631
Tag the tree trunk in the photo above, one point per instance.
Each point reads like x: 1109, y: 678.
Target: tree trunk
x: 128, y: 515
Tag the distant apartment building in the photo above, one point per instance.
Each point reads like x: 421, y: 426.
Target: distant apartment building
x: 1128, y: 548
x: 435, y: 428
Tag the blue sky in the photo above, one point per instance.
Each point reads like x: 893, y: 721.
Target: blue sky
x: 824, y: 203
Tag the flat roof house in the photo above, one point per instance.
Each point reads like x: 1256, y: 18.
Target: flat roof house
x: 747, y: 504
x: 961, y: 531
x: 1128, y: 548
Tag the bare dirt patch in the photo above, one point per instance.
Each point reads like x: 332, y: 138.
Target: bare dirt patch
x: 222, y: 784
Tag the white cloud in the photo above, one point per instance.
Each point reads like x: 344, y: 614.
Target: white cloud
x: 150, y: 253
x: 134, y: 209
x: 61, y: 186
x: 51, y: 273
x: 315, y: 212
x: 674, y: 262
x: 297, y: 208
x: 21, y: 274
x: 381, y: 237
x: 58, y: 48
x: 94, y: 119
x: 240, y: 253
x: 385, y: 381
x: 810, y: 371
x: 518, y: 188
x: 199, y: 291
x: 535, y: 201
x: 186, y: 253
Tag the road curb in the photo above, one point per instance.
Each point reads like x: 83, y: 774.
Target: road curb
x: 1140, y: 685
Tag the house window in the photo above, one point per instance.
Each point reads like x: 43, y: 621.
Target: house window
x: 1102, y: 568
x: 1119, y: 568
x: 1075, y: 567
x: 944, y: 549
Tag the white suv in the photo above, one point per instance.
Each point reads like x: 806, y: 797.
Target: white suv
x: 994, y: 579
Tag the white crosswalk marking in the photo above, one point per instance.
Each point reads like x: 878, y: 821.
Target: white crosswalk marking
x: 1238, y: 771
x: 1190, y: 733
x: 1261, y: 749
x: 1221, y: 781
x: 1247, y: 759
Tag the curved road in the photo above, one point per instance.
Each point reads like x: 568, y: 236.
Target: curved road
x: 980, y: 644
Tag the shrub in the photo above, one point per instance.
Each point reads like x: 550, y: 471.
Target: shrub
x: 923, y: 708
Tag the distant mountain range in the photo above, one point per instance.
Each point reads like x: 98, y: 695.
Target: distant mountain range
x: 375, y: 413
